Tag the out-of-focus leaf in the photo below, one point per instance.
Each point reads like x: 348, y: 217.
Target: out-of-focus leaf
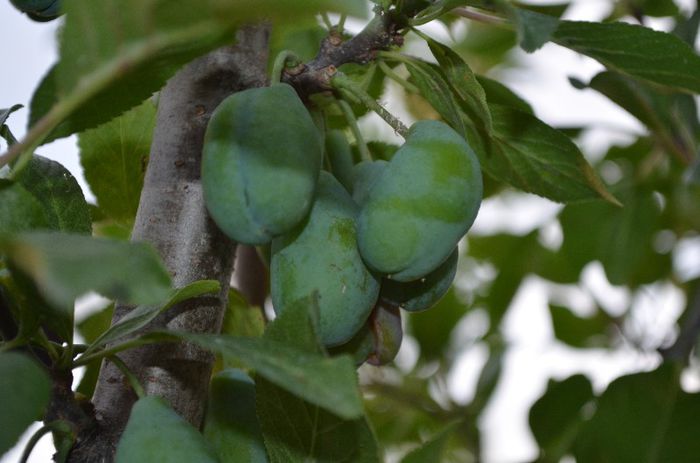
x: 155, y: 432
x: 25, y: 390
x: 579, y: 331
x: 19, y: 209
x: 642, y: 418
x: 114, y: 157
x: 534, y: 29
x: 5, y: 113
x: 486, y: 46
x: 640, y: 52
x: 65, y: 266
x: 308, y: 433
x: 231, y: 425
x: 59, y: 194
x: 622, y: 238
x: 240, y: 319
x: 557, y: 416
x: 433, y: 449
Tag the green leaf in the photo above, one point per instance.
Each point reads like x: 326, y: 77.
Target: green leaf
x: 579, y: 331
x: 464, y: 83
x: 534, y: 29
x: 622, y: 239
x: 59, y: 193
x: 642, y: 418
x: 328, y: 383
x: 497, y: 93
x: 307, y: 432
x: 114, y: 157
x: 532, y: 156
x: 5, y: 113
x: 155, y: 432
x: 231, y: 425
x: 557, y: 416
x: 116, y: 53
x: 638, y: 51
x: 240, y: 319
x: 432, y: 450
x: 142, y: 315
x: 19, y: 209
x: 65, y: 266
x: 25, y: 389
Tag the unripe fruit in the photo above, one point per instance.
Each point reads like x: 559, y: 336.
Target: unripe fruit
x: 421, y: 294
x: 340, y: 156
x: 261, y: 159
x: 422, y: 204
x: 321, y: 255
x: 365, y: 175
x: 39, y: 10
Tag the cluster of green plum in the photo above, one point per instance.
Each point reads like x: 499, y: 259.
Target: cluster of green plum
x: 383, y: 237
x: 39, y: 10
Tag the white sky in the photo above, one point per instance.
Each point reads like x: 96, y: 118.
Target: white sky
x: 29, y: 49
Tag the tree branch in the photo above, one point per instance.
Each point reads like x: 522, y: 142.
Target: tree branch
x: 172, y: 217
x: 690, y: 329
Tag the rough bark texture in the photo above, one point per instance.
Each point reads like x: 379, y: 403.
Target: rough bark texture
x: 173, y: 218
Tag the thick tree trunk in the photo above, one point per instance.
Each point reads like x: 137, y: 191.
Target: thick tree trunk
x: 173, y: 218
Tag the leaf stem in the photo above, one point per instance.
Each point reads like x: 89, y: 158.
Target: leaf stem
x: 55, y: 426
x: 129, y: 375
x: 345, y: 84
x: 280, y: 64
x: 393, y: 75
x: 344, y: 106
x: 85, y: 359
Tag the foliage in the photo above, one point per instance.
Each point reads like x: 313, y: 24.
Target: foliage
x: 300, y: 395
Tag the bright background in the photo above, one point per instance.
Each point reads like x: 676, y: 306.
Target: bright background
x: 28, y: 49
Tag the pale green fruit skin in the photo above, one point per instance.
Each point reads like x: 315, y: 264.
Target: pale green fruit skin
x: 321, y: 256
x: 421, y: 294
x: 365, y: 175
x: 422, y: 204
x: 231, y: 425
x: 261, y: 158
x: 340, y: 156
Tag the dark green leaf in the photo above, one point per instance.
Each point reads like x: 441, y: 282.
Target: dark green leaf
x: 59, y: 193
x: 307, y: 432
x: 328, y: 383
x: 144, y: 314
x: 464, y: 83
x: 155, y: 432
x: 638, y: 51
x: 557, y: 416
x: 497, y: 93
x: 114, y: 157
x: 578, y: 331
x: 432, y: 450
x: 534, y: 29
x: 642, y: 418
x: 65, y: 266
x: 532, y: 156
x: 231, y: 425
x: 622, y: 238
x: 19, y: 209
x: 5, y: 113
x: 25, y: 389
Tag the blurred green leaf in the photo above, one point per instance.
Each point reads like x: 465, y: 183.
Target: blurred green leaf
x: 556, y: 417
x: 307, y: 432
x: 638, y: 51
x: 5, y: 112
x: 432, y: 450
x: 534, y: 29
x: 155, y: 432
x: 231, y: 425
x: 644, y: 417
x: 19, y: 209
x: 25, y: 389
x: 114, y: 157
x: 578, y: 331
x: 59, y: 194
x: 65, y: 266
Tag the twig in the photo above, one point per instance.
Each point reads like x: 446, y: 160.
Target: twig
x: 690, y: 329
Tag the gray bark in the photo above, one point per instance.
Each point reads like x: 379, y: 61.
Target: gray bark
x: 172, y: 217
